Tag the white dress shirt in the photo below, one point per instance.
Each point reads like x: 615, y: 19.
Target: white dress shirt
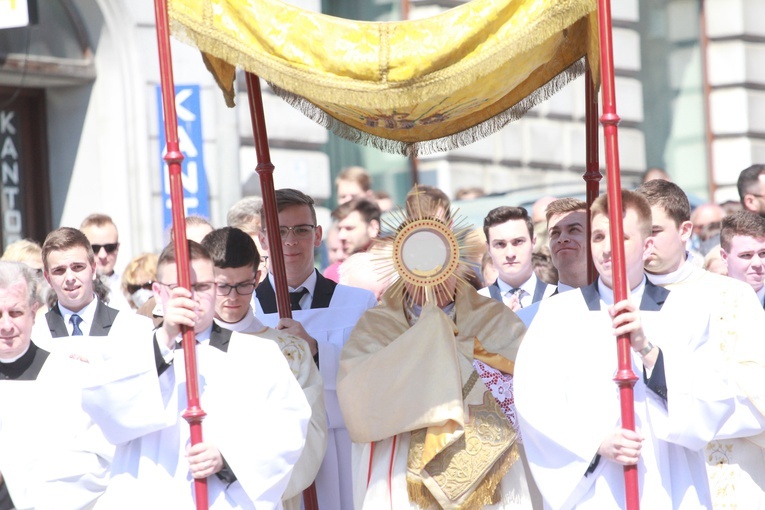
x: 86, y: 314
x: 309, y: 284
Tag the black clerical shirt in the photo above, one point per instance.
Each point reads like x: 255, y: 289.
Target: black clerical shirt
x: 27, y: 367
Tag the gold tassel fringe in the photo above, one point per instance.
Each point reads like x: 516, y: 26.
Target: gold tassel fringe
x: 487, y: 492
x: 461, y: 139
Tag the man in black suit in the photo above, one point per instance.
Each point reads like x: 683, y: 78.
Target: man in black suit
x: 510, y: 238
x: 70, y: 269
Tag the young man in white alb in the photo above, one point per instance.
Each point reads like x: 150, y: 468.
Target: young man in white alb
x: 236, y: 261
x: 256, y: 413
x: 732, y: 320
x: 685, y: 393
x: 323, y: 314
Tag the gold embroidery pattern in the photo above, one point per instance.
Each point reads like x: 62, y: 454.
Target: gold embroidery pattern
x: 721, y: 473
x: 293, y: 352
x: 469, y: 385
x: 469, y: 470
x: 721, y: 325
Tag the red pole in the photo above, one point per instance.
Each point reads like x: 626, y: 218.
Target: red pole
x: 193, y: 413
x: 625, y: 378
x: 592, y: 173
x: 265, y: 171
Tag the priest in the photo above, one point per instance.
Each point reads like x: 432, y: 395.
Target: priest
x: 51, y: 454
x: 426, y: 383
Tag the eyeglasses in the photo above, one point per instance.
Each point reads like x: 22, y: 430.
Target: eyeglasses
x: 243, y: 289
x: 133, y: 288
x: 300, y: 231
x: 195, y: 287
x: 110, y: 247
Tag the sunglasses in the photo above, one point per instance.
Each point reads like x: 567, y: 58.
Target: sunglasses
x: 133, y: 288
x: 110, y: 248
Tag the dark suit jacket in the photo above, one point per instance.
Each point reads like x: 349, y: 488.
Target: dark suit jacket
x: 322, y: 294
x: 5, y: 498
x: 102, y: 321
x: 539, y: 291
x: 219, y: 337
x: 652, y: 301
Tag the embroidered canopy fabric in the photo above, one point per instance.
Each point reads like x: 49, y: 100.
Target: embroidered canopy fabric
x: 408, y: 87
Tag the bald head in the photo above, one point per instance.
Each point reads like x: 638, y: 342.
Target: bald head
x: 539, y: 208
x: 361, y: 270
x: 706, y: 216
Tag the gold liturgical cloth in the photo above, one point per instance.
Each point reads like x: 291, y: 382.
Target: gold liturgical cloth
x: 411, y: 86
x: 467, y: 472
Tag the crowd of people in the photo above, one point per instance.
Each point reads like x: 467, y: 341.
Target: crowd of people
x: 495, y: 391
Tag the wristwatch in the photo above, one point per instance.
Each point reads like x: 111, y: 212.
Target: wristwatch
x: 645, y: 350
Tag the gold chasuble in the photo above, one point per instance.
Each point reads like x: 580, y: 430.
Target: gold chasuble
x: 395, y: 378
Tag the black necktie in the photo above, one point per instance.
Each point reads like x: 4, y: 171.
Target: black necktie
x: 75, y: 320
x: 295, y: 298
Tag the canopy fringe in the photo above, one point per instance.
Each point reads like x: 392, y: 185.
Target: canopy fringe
x: 460, y: 139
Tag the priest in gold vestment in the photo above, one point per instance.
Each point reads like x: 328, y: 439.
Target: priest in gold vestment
x: 426, y: 389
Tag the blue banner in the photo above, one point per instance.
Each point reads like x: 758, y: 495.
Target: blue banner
x: 195, y: 189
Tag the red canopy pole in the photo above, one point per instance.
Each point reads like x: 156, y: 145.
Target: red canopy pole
x: 265, y: 170
x: 625, y: 378
x: 592, y: 173
x: 194, y: 413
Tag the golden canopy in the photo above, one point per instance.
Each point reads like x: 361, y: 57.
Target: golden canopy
x: 408, y: 87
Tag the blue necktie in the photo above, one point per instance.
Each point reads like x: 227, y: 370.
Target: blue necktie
x: 76, y: 320
x: 515, y: 292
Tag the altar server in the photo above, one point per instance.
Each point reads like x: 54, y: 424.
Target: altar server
x: 236, y: 262
x: 685, y: 394
x: 256, y: 419
x: 323, y: 314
